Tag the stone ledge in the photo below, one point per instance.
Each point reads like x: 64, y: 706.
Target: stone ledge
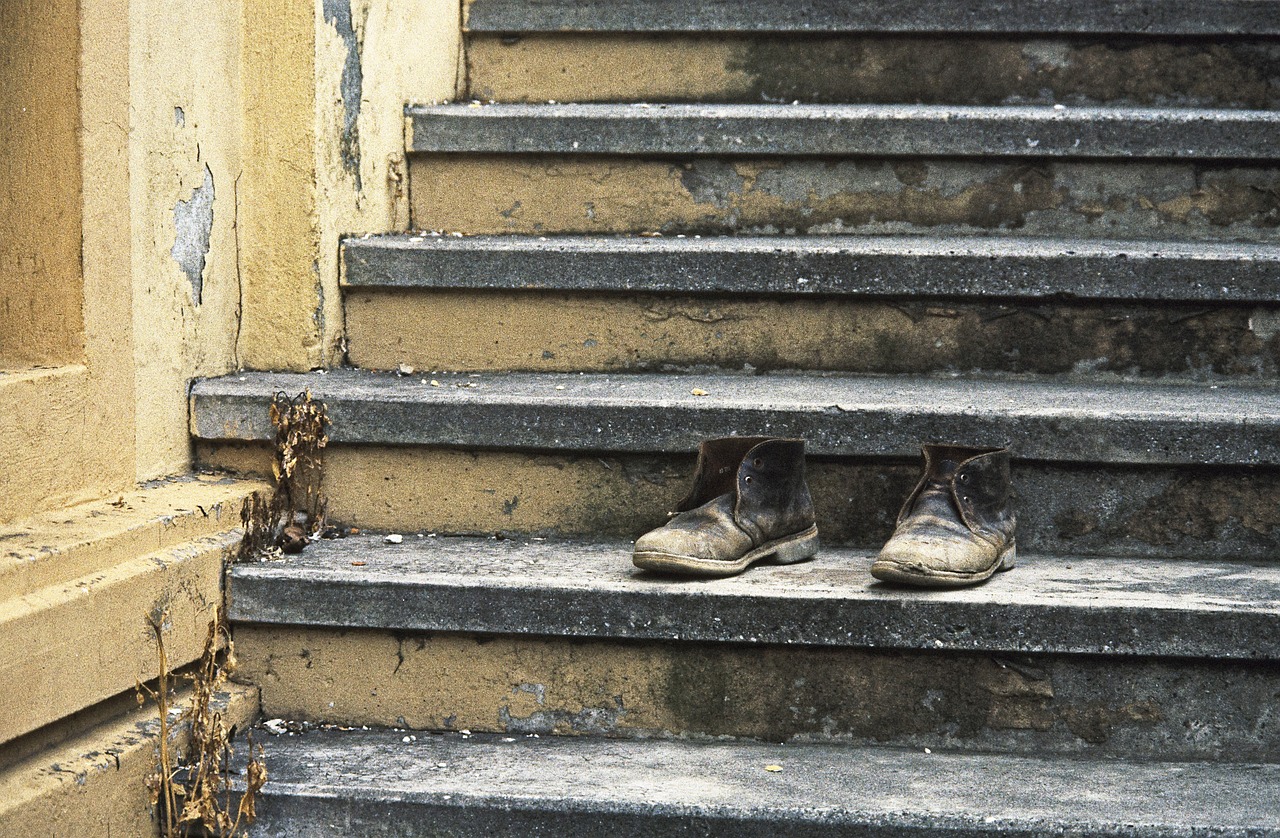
x: 54, y: 547
x: 847, y: 130
x: 330, y: 783
x: 94, y: 783
x: 863, y: 416
x: 72, y: 644
x: 1136, y: 17
x: 1185, y: 608
x: 829, y: 265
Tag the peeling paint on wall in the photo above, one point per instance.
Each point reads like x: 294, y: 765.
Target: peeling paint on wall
x: 193, y: 226
x: 338, y: 14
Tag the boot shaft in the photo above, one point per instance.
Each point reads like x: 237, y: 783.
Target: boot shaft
x: 978, y: 482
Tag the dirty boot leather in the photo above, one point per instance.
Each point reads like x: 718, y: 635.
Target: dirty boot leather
x: 749, y: 502
x: 957, y: 527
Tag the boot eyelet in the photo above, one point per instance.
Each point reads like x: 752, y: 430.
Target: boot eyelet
x: 757, y: 462
x: 964, y: 478
x: 746, y: 479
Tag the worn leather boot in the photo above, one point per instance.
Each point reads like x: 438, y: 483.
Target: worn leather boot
x: 749, y: 502
x: 957, y: 527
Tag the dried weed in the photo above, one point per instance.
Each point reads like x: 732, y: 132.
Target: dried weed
x: 193, y: 793
x: 296, y: 511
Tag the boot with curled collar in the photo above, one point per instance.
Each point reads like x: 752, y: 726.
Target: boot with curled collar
x: 957, y: 527
x: 749, y: 502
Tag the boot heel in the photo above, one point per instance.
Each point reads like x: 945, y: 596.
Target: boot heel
x: 1009, y: 557
x: 803, y: 546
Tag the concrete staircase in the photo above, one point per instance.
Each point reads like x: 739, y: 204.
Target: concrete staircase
x: 1053, y: 226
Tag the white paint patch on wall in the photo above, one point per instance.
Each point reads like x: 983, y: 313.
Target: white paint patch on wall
x: 192, y: 229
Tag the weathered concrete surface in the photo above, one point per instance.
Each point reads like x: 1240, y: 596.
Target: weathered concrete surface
x: 629, y: 323
x: 374, y: 784
x: 1204, y: 609
x: 1146, y: 17
x: 488, y: 331
x: 856, y: 265
x: 94, y: 783
x: 880, y: 68
x: 1096, y: 422
x: 1064, y: 704
x: 1098, y: 199
x: 72, y: 644
x: 1119, y: 510
x: 846, y: 130
x: 59, y: 546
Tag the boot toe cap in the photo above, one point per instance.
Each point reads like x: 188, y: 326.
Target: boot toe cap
x: 935, y: 562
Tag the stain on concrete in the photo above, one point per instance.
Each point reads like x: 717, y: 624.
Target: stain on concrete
x: 337, y: 13
x: 996, y: 70
x: 193, y: 227
x: 1061, y: 704
x: 571, y: 332
x: 1124, y: 200
x: 882, y: 68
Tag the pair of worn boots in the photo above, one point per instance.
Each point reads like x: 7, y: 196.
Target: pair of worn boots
x: 750, y: 502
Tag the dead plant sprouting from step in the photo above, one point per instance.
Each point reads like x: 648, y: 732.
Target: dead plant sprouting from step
x: 296, y: 511
x: 194, y: 793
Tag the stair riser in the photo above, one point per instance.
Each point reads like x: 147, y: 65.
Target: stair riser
x: 1061, y: 704
x: 1083, y: 509
x: 551, y: 331
x: 548, y: 194
x: 926, y: 69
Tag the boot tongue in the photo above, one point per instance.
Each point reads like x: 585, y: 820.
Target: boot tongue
x: 935, y: 497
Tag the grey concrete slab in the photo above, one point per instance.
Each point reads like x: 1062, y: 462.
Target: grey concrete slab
x: 1019, y: 267
x: 847, y: 130
x: 1087, y: 422
x: 332, y: 782
x: 1138, y: 17
x: 1188, y: 608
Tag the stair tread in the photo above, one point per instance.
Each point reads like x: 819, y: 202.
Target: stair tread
x: 835, y: 264
x: 1117, y: 421
x: 1141, y: 17
x: 808, y: 130
x: 579, y: 786
x: 1187, y: 607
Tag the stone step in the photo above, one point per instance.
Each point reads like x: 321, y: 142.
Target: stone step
x: 882, y: 266
x: 1114, y: 468
x: 1140, y: 17
x: 55, y: 547
x: 520, y: 636
x: 1064, y: 605
x: 343, y: 782
x: 1099, y: 173
x: 846, y: 131
x: 606, y: 304
x: 1121, y: 422
x: 950, y: 68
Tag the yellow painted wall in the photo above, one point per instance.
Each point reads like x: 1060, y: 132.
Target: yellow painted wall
x: 171, y: 206
x: 40, y: 289
x: 290, y: 135
x: 185, y: 159
x: 324, y: 90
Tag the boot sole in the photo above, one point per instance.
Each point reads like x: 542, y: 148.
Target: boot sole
x: 903, y: 574
x: 789, y: 550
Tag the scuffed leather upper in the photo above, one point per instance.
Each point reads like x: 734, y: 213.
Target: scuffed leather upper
x: 960, y: 515
x: 760, y: 495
